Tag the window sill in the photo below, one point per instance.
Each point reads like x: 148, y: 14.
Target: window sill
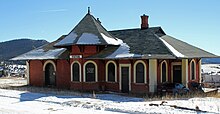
x: 75, y: 82
x: 140, y: 83
x: 111, y: 82
x: 90, y: 82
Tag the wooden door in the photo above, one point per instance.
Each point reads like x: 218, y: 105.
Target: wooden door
x: 177, y: 74
x: 50, y: 78
x: 125, y: 79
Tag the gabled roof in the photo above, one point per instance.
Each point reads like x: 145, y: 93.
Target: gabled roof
x: 138, y: 43
x: 47, y: 51
x: 154, y: 43
x: 89, y: 31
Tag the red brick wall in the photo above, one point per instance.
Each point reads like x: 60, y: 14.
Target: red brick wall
x: 112, y: 86
x: 76, y: 86
x: 36, y: 73
x: 75, y: 50
x: 91, y: 86
x: 63, y: 76
x: 86, y: 50
x: 139, y: 88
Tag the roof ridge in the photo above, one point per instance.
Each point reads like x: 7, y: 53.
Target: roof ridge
x: 133, y: 29
x: 108, y: 33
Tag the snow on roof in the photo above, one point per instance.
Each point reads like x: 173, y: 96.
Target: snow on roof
x: 112, y: 41
x: 172, y: 49
x: 69, y: 39
x: 88, y: 38
x: 41, y: 54
x: 123, y: 52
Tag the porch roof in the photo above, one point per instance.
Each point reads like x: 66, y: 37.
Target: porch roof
x: 187, y: 50
x: 47, y: 51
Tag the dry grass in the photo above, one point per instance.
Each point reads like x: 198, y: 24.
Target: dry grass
x: 153, y: 97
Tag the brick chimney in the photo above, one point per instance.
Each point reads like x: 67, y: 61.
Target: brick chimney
x: 144, y: 22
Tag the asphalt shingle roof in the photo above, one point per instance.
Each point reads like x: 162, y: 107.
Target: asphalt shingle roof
x: 131, y: 43
x: 189, y: 51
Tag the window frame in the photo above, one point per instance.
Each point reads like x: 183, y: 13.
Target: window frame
x: 161, y: 71
x: 106, y: 71
x: 145, y: 71
x: 193, y: 61
x: 96, y: 71
x: 80, y: 74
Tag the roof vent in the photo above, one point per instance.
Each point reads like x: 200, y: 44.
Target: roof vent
x: 144, y: 22
x: 98, y: 20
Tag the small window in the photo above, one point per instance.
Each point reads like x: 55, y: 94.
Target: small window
x: 164, y: 72
x: 75, y: 71
x: 193, y: 70
x: 90, y: 72
x: 139, y: 73
x: 111, y: 72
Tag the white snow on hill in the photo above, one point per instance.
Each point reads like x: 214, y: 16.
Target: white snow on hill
x: 211, y: 69
x: 23, y: 102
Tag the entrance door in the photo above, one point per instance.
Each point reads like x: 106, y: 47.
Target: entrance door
x: 177, y: 74
x: 50, y: 78
x: 125, y: 79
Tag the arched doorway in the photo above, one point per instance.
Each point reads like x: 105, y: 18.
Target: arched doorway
x: 50, y: 77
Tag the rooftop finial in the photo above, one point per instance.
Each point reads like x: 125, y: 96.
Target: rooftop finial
x: 88, y: 10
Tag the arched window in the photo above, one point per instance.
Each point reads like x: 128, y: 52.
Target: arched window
x: 90, y: 72
x: 75, y: 72
x: 111, y: 72
x: 140, y: 73
x: 164, y: 72
x: 193, y: 70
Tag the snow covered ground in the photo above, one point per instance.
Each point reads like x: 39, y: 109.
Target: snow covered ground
x: 23, y: 102
x: 49, y: 102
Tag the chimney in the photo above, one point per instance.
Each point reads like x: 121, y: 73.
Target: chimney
x: 144, y: 22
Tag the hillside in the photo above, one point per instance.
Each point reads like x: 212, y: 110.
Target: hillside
x: 211, y: 60
x: 17, y: 47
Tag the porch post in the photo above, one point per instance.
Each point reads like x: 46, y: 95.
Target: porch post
x: 200, y: 77
x: 152, y: 75
x: 27, y: 72
x: 185, y: 72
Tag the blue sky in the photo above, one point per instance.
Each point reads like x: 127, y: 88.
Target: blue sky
x: 194, y: 21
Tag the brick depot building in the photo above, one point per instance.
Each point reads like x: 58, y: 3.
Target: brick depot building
x: 130, y: 60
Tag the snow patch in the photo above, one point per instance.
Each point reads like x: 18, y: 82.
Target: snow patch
x: 123, y: 52
x: 210, y: 69
x: 123, y: 49
x: 69, y: 39
x: 172, y: 49
x: 112, y: 41
x: 88, y: 38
